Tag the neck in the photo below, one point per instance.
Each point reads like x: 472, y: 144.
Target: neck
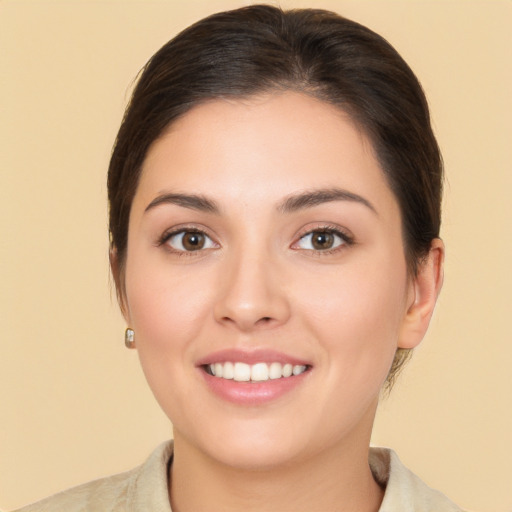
x: 337, y: 479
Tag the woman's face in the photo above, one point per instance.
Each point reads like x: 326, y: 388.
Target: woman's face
x: 264, y: 238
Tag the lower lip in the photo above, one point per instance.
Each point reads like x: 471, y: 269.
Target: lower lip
x: 252, y: 393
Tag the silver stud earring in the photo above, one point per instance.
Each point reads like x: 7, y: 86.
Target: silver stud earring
x: 129, y: 338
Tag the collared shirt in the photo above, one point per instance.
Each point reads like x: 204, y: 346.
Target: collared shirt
x: 144, y: 489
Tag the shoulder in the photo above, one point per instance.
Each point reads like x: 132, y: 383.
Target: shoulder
x: 404, y: 490
x: 124, y: 492
x: 106, y: 494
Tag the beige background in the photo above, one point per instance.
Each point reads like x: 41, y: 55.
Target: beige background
x: 73, y: 402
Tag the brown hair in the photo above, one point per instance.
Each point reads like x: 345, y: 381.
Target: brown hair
x: 262, y: 48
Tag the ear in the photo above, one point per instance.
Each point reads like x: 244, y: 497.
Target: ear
x: 424, y: 290
x: 117, y: 270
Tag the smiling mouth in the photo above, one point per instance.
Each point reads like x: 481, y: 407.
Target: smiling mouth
x: 259, y: 372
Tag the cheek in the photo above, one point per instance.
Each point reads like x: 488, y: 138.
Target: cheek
x: 356, y: 314
x: 167, y: 310
x: 166, y: 307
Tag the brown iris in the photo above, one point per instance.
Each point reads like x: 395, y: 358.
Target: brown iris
x: 193, y: 241
x: 322, y: 240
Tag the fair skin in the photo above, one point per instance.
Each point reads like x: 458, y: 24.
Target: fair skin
x: 263, y: 231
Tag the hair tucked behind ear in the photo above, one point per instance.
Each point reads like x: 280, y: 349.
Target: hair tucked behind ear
x: 402, y: 355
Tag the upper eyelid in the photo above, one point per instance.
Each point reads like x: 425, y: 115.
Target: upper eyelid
x: 169, y: 233
x: 164, y: 242
x: 332, y: 228
x: 346, y: 234
x: 180, y: 228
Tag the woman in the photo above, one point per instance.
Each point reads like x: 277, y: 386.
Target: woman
x: 274, y: 198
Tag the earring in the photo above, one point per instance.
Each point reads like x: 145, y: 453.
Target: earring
x: 129, y: 338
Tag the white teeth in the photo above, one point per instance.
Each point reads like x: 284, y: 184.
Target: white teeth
x: 259, y: 372
x: 298, y: 369
x: 228, y: 371
x: 242, y: 372
x: 275, y: 371
x: 218, y: 369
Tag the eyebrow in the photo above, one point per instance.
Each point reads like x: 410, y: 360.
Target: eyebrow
x: 289, y: 205
x: 321, y: 196
x: 191, y: 201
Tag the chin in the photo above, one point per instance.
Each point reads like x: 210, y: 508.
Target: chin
x: 249, y: 445
x: 257, y: 456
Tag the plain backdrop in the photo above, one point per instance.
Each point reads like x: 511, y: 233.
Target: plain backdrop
x: 73, y: 402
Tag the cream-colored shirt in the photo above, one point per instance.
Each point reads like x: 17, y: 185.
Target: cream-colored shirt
x: 144, y: 489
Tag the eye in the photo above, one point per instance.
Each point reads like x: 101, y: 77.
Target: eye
x: 188, y: 241
x: 322, y: 240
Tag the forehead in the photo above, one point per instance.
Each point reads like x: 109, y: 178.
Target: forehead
x: 262, y: 148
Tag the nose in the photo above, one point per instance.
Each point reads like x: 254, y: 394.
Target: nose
x: 251, y: 294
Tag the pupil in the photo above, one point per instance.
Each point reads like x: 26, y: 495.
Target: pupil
x: 193, y: 241
x: 322, y: 240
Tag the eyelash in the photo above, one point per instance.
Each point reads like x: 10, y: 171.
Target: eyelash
x: 347, y: 239
x: 182, y: 229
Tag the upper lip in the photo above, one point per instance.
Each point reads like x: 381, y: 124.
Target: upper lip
x: 251, y: 357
